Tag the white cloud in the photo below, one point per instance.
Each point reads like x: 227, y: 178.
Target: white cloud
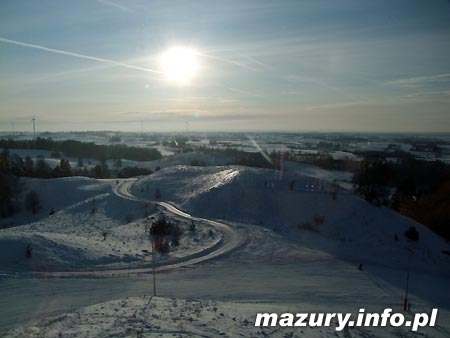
x: 421, y: 80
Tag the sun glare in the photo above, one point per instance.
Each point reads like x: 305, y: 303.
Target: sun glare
x: 179, y: 64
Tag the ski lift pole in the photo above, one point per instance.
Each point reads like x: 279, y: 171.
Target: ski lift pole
x: 153, y: 259
x: 405, y: 303
x: 150, y: 230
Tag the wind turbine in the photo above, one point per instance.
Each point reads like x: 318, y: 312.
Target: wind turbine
x: 34, y: 126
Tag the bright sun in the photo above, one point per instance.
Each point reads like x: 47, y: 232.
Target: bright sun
x: 179, y: 64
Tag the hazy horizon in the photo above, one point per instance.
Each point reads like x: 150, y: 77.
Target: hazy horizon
x: 202, y: 132
x: 346, y: 66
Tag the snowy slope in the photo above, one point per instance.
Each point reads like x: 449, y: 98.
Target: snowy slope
x: 92, y: 228
x: 169, y: 317
x: 56, y: 194
x: 346, y: 226
x: 287, y: 260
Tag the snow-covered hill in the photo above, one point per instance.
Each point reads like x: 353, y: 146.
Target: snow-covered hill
x: 304, y: 236
x: 91, y: 228
x: 312, y: 210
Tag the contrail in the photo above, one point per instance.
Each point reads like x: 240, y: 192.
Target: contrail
x: 116, y: 5
x: 77, y: 55
x: 243, y: 92
x: 229, y: 61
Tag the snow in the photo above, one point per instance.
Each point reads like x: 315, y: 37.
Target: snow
x: 171, y: 317
x: 92, y: 228
x: 352, y: 228
x: 288, y: 258
x: 58, y: 194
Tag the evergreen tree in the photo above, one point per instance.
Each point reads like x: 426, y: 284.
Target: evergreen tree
x: 28, y: 166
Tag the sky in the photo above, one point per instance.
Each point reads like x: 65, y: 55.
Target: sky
x: 347, y: 65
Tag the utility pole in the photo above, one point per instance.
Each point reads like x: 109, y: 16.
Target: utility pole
x: 153, y: 272
x: 34, y: 127
x: 142, y: 127
x: 405, y: 301
x: 153, y: 257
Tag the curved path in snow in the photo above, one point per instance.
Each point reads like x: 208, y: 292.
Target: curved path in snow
x: 230, y: 241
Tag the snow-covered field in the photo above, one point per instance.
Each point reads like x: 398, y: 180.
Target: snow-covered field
x: 303, y: 235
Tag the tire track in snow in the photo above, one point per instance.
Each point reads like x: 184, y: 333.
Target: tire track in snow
x: 231, y: 241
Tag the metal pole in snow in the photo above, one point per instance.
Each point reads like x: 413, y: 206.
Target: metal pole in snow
x: 405, y: 302
x: 153, y: 258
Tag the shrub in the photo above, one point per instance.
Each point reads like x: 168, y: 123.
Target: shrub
x: 129, y: 218
x: 162, y: 246
x: 291, y: 185
x: 318, y: 220
x: 198, y: 163
x: 176, y: 235
x: 133, y: 171
x: 165, y: 232
x: 412, y: 234
x: 308, y: 226
x: 192, y: 228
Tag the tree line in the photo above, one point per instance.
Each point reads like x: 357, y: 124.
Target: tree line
x: 416, y: 188
x: 13, y: 167
x: 85, y: 149
x: 39, y: 168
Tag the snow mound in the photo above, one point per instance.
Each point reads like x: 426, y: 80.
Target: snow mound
x: 180, y: 184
